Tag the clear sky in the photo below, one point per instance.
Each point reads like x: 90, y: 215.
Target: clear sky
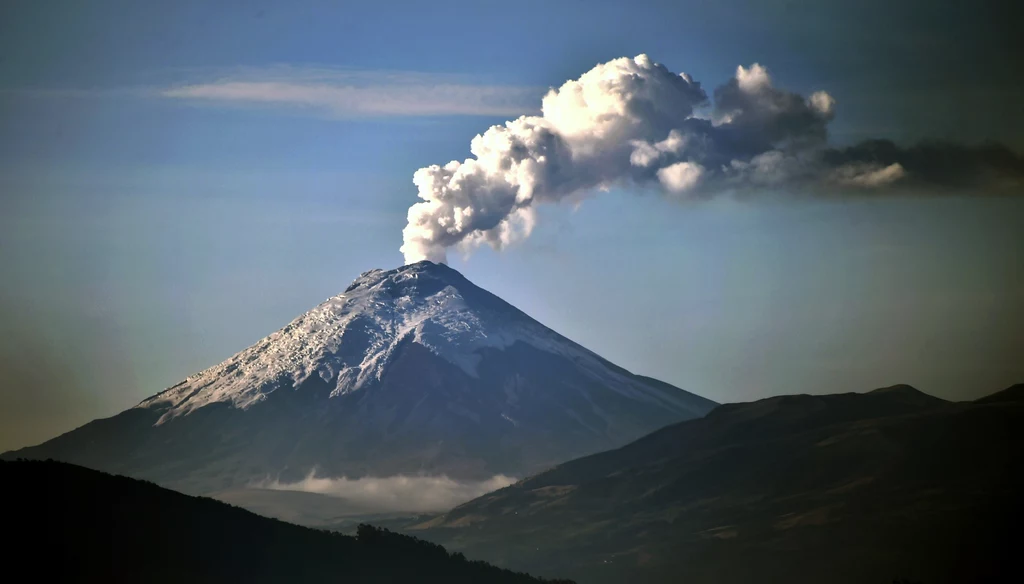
x: 149, y: 230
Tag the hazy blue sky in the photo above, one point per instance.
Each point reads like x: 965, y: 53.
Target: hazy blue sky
x: 147, y: 233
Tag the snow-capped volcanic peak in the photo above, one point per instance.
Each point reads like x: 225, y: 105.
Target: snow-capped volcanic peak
x: 410, y: 371
x: 348, y: 339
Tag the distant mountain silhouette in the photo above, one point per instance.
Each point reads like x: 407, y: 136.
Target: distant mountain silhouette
x: 846, y: 488
x: 1014, y: 393
x: 72, y: 524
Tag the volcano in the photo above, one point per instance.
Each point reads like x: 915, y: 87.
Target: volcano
x: 410, y: 371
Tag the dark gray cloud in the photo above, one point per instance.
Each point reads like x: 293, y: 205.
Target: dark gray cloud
x: 762, y: 116
x: 937, y: 164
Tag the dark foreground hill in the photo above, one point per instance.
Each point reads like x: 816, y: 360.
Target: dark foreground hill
x: 71, y: 524
x: 846, y: 488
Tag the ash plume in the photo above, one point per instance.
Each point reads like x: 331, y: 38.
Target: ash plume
x: 633, y: 121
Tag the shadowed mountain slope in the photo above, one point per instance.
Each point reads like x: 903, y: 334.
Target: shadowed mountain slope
x: 831, y: 488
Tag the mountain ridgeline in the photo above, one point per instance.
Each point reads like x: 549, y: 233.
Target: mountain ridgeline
x: 846, y: 489
x: 409, y: 371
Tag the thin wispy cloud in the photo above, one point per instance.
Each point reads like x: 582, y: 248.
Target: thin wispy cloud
x: 395, y: 493
x: 79, y: 93
x: 344, y: 94
x: 331, y: 93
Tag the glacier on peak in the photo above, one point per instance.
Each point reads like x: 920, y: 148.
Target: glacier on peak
x: 348, y: 340
x: 409, y: 372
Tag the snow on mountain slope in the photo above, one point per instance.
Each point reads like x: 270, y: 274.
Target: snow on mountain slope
x: 413, y: 371
x: 348, y: 340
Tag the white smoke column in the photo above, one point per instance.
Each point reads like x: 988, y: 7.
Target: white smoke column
x: 625, y: 120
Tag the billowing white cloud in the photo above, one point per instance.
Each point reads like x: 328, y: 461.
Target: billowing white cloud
x: 633, y: 121
x: 645, y: 154
x: 585, y: 138
x: 396, y: 493
x: 627, y: 119
x: 680, y: 177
